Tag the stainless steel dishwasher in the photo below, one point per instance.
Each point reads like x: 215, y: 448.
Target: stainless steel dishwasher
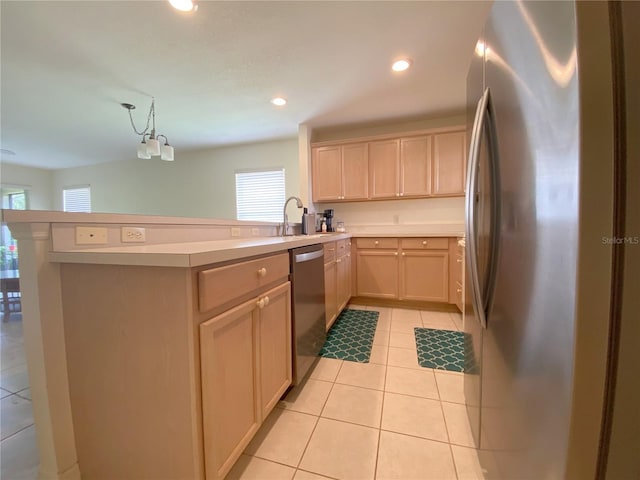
x: 307, y: 299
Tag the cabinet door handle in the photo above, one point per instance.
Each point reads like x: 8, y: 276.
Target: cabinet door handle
x: 338, y: 260
x: 424, y: 242
x: 260, y: 303
x: 459, y: 260
x: 403, y: 254
x: 262, y: 272
x: 402, y: 194
x: 458, y: 290
x: 395, y: 253
x: 397, y: 194
x: 266, y: 300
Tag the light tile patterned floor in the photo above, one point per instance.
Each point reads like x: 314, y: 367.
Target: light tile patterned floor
x: 388, y: 419
x: 18, y: 449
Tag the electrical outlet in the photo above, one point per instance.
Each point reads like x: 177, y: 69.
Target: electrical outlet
x: 91, y: 235
x: 255, y: 232
x: 235, y: 232
x: 133, y: 234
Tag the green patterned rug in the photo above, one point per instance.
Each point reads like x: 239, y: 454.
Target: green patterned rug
x: 440, y: 349
x: 351, y: 336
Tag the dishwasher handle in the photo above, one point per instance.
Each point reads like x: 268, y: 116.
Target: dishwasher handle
x: 305, y: 257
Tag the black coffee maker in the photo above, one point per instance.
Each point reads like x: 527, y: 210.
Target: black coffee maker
x: 328, y: 215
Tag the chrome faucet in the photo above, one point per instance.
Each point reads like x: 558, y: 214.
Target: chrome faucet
x: 285, y: 223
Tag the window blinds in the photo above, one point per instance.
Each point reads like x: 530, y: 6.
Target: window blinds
x: 260, y: 195
x: 77, y: 199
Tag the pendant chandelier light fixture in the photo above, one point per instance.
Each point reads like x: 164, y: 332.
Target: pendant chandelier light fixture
x: 150, y: 145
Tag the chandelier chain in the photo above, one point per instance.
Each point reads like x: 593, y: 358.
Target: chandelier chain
x: 146, y: 128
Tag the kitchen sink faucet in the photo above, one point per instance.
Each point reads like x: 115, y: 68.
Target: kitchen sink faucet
x: 285, y: 223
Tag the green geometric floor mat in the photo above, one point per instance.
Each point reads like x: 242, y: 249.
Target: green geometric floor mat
x: 351, y: 336
x: 440, y: 349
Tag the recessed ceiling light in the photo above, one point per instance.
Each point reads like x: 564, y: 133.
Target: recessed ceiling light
x: 401, y: 65
x: 184, y: 5
x: 279, y: 101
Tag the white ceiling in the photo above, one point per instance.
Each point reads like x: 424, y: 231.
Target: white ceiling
x: 67, y: 66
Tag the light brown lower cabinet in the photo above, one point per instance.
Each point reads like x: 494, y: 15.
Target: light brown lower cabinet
x: 456, y: 276
x: 330, y: 292
x: 377, y: 273
x: 245, y: 369
x: 414, y: 269
x: 424, y: 276
x: 343, y: 276
x: 337, y: 278
x: 172, y: 370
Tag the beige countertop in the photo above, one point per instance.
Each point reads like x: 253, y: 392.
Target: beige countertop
x: 190, y: 254
x: 406, y: 234
x: 194, y: 254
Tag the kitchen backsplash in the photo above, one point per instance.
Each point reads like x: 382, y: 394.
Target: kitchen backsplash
x: 424, y: 211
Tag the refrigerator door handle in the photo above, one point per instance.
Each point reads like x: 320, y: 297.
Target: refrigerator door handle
x: 482, y: 120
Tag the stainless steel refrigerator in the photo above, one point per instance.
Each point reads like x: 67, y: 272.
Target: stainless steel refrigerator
x: 539, y: 223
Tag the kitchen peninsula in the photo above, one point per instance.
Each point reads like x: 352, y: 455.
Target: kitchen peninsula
x: 115, y: 338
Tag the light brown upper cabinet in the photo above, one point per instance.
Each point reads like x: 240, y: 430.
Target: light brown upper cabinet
x: 417, y: 164
x: 400, y: 167
x: 449, y: 160
x: 384, y: 168
x: 340, y: 172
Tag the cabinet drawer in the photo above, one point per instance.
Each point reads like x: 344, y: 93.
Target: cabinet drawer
x: 329, y: 252
x: 425, y: 243
x: 377, y: 242
x: 218, y: 286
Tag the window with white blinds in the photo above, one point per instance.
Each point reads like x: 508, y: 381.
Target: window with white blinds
x: 260, y: 195
x: 77, y: 199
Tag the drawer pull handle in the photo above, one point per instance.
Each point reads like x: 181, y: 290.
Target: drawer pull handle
x: 262, y: 272
x: 338, y: 260
x: 395, y: 253
x: 376, y: 242
x: 260, y: 303
x: 424, y: 242
x: 404, y: 254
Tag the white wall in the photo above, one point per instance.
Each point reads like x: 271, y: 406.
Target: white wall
x: 196, y: 184
x: 398, y: 212
x: 37, y: 181
x: 353, y: 131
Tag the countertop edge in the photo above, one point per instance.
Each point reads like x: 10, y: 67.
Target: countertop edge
x: 133, y: 256
x: 177, y: 259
